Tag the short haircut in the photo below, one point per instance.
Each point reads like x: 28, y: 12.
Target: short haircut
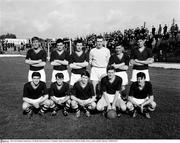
x: 35, y: 38
x: 142, y: 37
x: 110, y: 68
x: 78, y: 41
x: 59, y: 75
x: 99, y: 37
x: 141, y: 75
x: 85, y: 73
x: 59, y: 41
x: 36, y: 74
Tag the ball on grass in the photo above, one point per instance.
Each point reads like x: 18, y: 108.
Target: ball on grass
x: 111, y: 114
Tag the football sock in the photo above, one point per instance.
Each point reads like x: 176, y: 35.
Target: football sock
x: 43, y: 108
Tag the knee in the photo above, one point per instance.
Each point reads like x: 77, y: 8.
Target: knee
x: 68, y: 102
x: 130, y: 106
x: 48, y: 102
x: 99, y: 107
x: 25, y: 105
x: 92, y: 106
x: 152, y: 106
x: 74, y: 104
x: 123, y: 107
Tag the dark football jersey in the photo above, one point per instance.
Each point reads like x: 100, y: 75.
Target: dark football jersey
x: 141, y: 94
x: 144, y: 55
x: 41, y: 55
x: 32, y: 93
x: 78, y: 59
x: 83, y: 93
x: 111, y: 88
x: 62, y: 92
x: 56, y: 56
x: 114, y: 59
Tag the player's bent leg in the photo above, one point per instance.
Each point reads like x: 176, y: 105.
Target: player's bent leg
x: 152, y: 106
x: 53, y: 108
x: 92, y: 106
x: 121, y: 105
x: 130, y: 106
x: 27, y: 109
x: 74, y: 106
x: 44, y: 106
x: 67, y: 106
x: 101, y: 104
x: 25, y: 105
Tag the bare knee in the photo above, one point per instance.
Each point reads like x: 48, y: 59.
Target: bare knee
x: 25, y: 105
x: 152, y: 106
x: 130, y: 106
x: 47, y: 103
x: 74, y: 104
x: 92, y: 106
x: 99, y: 107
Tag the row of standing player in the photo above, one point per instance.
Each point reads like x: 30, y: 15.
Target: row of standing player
x: 98, y: 58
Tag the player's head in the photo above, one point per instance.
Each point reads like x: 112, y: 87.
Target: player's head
x: 85, y: 76
x: 59, y: 78
x: 141, y: 41
x: 141, y: 77
x: 79, y: 44
x: 60, y: 44
x: 35, y: 42
x: 36, y: 76
x: 119, y: 49
x: 99, y: 40
x: 110, y: 72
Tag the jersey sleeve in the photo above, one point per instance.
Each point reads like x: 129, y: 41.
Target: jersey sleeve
x: 111, y: 60
x: 150, y: 54
x: 132, y: 56
x: 87, y: 57
x: 74, y: 89
x: 103, y: 85
x: 131, y: 91
x: 44, y: 56
x: 126, y: 59
x: 67, y: 56
x: 45, y: 90
x: 119, y: 84
x: 28, y: 54
x: 92, y: 90
x: 25, y: 91
x: 150, y: 90
x: 67, y: 90
x: 71, y: 59
x: 51, y: 90
x: 52, y: 57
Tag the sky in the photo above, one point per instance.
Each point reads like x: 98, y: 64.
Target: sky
x: 72, y: 18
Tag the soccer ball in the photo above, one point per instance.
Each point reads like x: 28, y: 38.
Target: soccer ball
x: 111, y: 114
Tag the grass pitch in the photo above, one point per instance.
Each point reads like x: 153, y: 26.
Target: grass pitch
x: 164, y: 122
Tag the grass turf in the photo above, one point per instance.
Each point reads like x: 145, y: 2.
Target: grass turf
x: 164, y: 122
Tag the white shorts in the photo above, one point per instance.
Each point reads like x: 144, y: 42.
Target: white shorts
x: 65, y: 73
x: 134, y: 74
x: 139, y: 101
x: 74, y: 78
x: 110, y: 97
x: 42, y: 72
x: 35, y: 100
x: 97, y: 73
x: 59, y: 98
x: 124, y: 77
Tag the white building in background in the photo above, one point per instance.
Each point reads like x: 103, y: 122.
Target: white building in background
x: 16, y: 41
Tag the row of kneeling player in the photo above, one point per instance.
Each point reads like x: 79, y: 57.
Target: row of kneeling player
x: 82, y: 96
